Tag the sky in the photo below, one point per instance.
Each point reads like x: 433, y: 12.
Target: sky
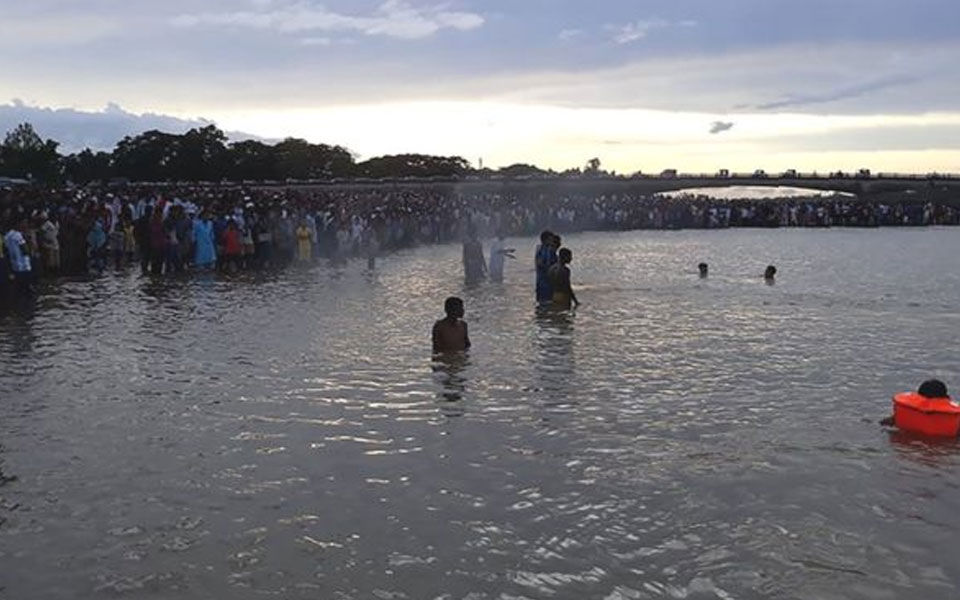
x: 643, y: 85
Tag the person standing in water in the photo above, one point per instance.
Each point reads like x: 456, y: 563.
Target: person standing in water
x: 450, y: 333
x: 474, y: 264
x: 563, y: 296
x: 545, y: 257
x: 371, y: 247
x: 497, y: 256
x: 304, y: 245
x: 97, y: 246
x: 704, y: 270
x: 204, y: 246
x: 18, y: 254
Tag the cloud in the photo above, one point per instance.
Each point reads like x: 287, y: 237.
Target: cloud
x: 632, y: 32
x: 316, y: 41
x: 99, y: 130
x: 844, y: 79
x: 569, y: 34
x: 638, y: 30
x: 720, y: 126
x: 394, y: 18
x: 842, y: 93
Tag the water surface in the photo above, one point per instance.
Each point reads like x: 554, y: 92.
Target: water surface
x: 287, y: 435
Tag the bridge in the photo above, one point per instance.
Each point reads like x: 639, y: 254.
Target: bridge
x: 850, y: 185
x: 941, y: 185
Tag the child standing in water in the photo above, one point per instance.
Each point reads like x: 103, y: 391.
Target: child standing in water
x: 450, y: 333
x: 563, y: 296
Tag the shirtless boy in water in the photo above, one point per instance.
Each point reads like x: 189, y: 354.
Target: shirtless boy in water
x: 450, y: 333
x: 563, y: 296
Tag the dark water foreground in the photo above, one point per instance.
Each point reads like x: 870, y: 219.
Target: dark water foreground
x: 289, y: 437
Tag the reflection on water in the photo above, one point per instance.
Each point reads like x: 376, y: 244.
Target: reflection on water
x: 288, y: 434
x: 555, y: 363
x: 929, y: 452
x: 449, y: 368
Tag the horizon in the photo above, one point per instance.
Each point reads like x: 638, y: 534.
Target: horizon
x: 696, y: 87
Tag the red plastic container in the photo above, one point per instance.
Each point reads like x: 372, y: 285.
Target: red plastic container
x: 936, y: 417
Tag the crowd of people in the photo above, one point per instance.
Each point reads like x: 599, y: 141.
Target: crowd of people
x: 176, y: 229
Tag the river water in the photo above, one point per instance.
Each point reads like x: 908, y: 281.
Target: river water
x: 288, y: 436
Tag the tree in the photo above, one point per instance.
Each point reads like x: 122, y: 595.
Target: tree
x: 523, y: 170
x: 88, y: 166
x: 200, y: 155
x: 299, y: 159
x: 147, y: 157
x: 593, y: 167
x: 414, y: 165
x: 25, y: 154
x: 252, y: 160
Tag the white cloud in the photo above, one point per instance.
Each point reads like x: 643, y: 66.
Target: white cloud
x: 393, y: 18
x: 569, y: 34
x: 632, y: 32
x: 316, y: 41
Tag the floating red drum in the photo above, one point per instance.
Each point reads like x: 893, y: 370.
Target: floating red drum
x: 937, y: 417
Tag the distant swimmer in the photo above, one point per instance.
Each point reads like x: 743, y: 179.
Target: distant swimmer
x: 450, y: 333
x: 563, y: 296
x: 770, y: 275
x: 928, y: 411
x: 703, y: 270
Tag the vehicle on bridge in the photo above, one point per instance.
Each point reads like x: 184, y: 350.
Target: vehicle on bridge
x: 723, y: 174
x: 759, y: 174
x: 668, y: 174
x: 864, y: 174
x: 789, y: 174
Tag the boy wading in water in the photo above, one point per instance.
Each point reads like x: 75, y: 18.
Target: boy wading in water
x: 450, y: 333
x: 563, y: 296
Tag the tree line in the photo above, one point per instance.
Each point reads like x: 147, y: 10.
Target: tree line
x: 205, y: 154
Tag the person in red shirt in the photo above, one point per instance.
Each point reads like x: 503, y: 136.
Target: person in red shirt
x: 232, y: 246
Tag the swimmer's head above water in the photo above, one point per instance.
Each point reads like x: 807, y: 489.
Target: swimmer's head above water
x: 703, y: 269
x: 933, y: 388
x: 770, y: 273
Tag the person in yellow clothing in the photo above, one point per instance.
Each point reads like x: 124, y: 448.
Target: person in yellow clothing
x: 304, y: 245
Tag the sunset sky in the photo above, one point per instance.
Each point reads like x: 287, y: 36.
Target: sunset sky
x: 696, y: 85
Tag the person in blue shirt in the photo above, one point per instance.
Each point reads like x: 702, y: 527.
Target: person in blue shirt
x: 546, y: 257
x: 204, y: 249
x: 97, y: 246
